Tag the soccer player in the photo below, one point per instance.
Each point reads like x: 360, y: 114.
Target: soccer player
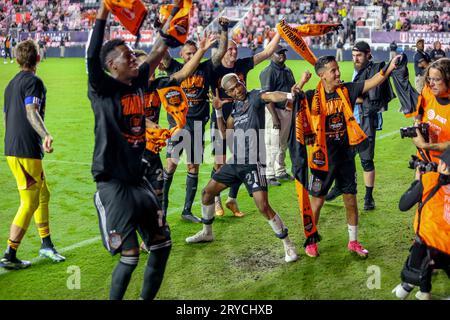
x: 331, y: 157
x: 242, y: 66
x: 26, y: 140
x: 421, y: 61
x: 247, y: 119
x: 196, y: 88
x: 124, y: 200
x: 367, y: 112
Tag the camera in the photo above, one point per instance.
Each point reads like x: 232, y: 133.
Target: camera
x: 422, y: 166
x: 410, y: 132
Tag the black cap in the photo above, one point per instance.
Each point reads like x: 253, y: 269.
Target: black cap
x: 280, y: 49
x: 361, y: 46
x: 445, y: 157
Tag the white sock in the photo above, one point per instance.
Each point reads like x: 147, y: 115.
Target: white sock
x: 352, y: 232
x: 277, y: 224
x: 217, y: 199
x: 207, y: 228
x: 208, y: 211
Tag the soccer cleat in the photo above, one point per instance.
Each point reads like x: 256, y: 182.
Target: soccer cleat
x: 423, y: 295
x: 233, y: 206
x: 290, y: 252
x: 312, y: 250
x: 403, y: 290
x: 274, y: 182
x: 51, y: 254
x: 356, y: 247
x: 201, y: 236
x: 333, y: 194
x: 369, y: 204
x: 190, y: 217
x: 219, y: 209
x: 285, y: 177
x: 14, y: 264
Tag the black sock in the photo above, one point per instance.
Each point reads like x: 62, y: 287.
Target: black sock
x: 234, y: 189
x: 191, y: 190
x: 168, y: 177
x: 368, y: 192
x: 154, y: 272
x: 10, y: 253
x: 46, y: 242
x: 121, y: 276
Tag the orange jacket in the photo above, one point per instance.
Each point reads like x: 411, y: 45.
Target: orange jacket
x: 435, y: 216
x: 438, y: 117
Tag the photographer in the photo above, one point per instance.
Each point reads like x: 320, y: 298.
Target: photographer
x: 433, y: 109
x: 431, y: 248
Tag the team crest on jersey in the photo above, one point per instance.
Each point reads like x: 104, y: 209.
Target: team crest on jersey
x: 336, y: 122
x: 173, y: 98
x: 136, y: 124
x: 115, y: 239
x: 318, y: 158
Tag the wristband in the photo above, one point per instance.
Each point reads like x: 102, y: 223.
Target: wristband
x: 219, y: 113
x: 289, y: 96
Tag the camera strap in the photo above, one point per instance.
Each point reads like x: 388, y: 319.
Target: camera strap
x: 422, y: 204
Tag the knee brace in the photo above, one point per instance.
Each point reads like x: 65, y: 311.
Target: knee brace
x: 368, y: 165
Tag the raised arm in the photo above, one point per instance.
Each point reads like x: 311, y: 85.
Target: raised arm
x: 223, y: 42
x: 159, y: 48
x: 94, y: 65
x: 276, y: 96
x: 268, y: 51
x: 192, y: 65
x: 217, y: 104
x: 380, y: 76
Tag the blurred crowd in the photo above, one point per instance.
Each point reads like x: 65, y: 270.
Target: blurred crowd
x: 254, y: 31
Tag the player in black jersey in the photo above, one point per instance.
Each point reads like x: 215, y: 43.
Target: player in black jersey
x: 124, y: 200
x: 247, y: 120
x: 196, y: 89
x: 231, y: 64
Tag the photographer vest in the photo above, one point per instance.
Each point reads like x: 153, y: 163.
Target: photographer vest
x: 434, y: 227
x: 376, y: 99
x: 437, y: 115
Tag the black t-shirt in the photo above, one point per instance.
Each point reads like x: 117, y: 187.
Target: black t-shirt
x: 436, y: 54
x: 21, y: 140
x: 196, y: 88
x: 420, y: 56
x: 277, y: 78
x: 119, y: 118
x: 335, y: 126
x: 242, y: 67
x: 248, y: 119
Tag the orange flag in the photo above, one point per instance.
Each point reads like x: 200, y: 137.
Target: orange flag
x: 131, y: 13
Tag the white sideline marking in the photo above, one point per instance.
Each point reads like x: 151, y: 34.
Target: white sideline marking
x: 95, y: 239
x: 79, y: 245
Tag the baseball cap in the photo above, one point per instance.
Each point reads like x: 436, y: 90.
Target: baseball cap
x: 361, y: 46
x: 445, y: 157
x: 280, y: 49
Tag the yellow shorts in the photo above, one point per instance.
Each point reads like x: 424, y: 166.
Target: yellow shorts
x: 29, y: 173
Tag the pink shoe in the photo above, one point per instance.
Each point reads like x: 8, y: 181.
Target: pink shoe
x: 355, y: 246
x: 312, y: 250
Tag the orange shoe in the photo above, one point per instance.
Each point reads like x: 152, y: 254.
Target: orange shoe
x: 219, y: 209
x: 233, y: 206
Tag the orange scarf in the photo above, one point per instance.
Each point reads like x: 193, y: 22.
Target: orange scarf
x: 131, y: 13
x: 174, y: 100
x: 293, y: 36
x: 179, y: 26
x: 318, y: 153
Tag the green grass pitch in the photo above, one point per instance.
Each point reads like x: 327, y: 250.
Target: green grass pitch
x: 246, y: 260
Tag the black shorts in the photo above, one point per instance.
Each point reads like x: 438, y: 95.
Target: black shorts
x: 124, y: 209
x: 252, y: 175
x: 369, y: 125
x: 344, y: 173
x: 191, y: 138
x: 154, y: 169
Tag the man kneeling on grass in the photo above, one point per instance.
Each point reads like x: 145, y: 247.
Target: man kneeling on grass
x: 247, y: 118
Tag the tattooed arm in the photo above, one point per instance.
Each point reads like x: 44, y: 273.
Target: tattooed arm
x: 38, y: 125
